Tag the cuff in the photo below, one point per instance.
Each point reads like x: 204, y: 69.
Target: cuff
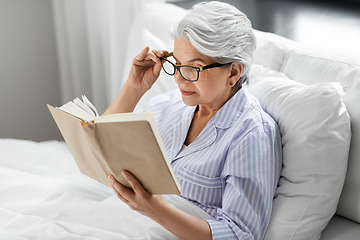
x: 220, y: 230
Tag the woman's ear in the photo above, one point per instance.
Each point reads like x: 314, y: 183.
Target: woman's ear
x: 235, y: 73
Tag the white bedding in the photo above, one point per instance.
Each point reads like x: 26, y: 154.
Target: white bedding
x: 44, y: 196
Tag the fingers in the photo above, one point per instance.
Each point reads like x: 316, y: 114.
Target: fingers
x: 145, y: 58
x: 160, y: 53
x: 146, y: 68
x: 142, y: 54
x: 154, y: 55
x: 120, y: 190
x: 138, y: 200
x: 134, y: 183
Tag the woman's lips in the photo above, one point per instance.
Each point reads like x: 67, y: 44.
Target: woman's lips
x: 186, y: 93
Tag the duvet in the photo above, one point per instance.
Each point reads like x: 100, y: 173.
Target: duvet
x: 43, y: 195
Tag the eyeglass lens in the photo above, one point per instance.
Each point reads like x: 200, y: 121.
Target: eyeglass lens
x: 188, y: 73
x: 168, y: 67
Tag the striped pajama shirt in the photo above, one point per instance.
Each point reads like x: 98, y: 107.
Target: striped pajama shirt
x: 231, y: 169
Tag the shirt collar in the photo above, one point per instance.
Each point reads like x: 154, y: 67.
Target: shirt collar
x: 228, y: 113
x: 189, y: 112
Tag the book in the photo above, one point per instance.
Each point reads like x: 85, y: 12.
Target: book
x: 104, y: 145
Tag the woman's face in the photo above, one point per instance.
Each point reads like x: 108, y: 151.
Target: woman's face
x: 213, y: 87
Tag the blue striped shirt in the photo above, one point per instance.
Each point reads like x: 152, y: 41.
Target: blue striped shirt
x: 232, y: 168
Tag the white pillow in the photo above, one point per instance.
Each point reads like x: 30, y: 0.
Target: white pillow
x: 315, y: 65
x: 315, y: 128
x: 271, y: 49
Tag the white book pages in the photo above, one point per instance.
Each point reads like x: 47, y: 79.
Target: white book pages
x: 84, y: 107
x: 90, y: 105
x: 76, y: 111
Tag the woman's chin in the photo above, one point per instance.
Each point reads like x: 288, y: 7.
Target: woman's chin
x: 189, y: 101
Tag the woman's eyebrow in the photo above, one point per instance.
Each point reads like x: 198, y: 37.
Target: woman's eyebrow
x: 192, y: 60
x: 197, y: 60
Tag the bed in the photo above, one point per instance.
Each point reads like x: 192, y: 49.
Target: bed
x: 43, y: 195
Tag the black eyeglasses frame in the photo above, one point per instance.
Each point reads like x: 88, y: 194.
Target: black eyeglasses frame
x: 198, y: 69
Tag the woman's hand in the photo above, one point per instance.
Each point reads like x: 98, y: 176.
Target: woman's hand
x: 145, y: 68
x: 144, y: 71
x: 138, y: 198
x: 181, y: 224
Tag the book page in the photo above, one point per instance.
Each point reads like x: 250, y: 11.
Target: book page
x: 76, y: 111
x: 84, y: 110
x: 90, y: 105
x: 83, y: 106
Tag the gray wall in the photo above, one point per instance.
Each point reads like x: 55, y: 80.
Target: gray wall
x: 29, y: 76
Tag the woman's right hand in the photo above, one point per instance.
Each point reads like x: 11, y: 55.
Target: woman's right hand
x: 145, y: 68
x: 144, y: 71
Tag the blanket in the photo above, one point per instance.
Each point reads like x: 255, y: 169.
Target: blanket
x: 43, y: 195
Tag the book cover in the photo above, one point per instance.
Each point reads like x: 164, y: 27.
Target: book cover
x: 113, y: 143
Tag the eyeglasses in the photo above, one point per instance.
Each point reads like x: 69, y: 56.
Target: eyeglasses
x: 189, y: 73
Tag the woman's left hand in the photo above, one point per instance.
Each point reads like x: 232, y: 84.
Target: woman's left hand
x: 181, y: 224
x: 138, y: 198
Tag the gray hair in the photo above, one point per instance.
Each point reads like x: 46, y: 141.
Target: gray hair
x: 220, y: 31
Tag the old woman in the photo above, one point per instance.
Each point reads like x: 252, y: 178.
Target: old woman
x: 224, y: 149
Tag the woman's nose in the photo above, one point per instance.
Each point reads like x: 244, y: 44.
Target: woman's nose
x: 179, y: 79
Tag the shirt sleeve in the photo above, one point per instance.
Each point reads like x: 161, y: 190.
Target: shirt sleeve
x: 250, y: 177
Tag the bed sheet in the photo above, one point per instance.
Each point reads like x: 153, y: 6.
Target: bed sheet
x: 43, y: 195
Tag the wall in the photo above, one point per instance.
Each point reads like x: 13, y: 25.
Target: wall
x: 29, y: 77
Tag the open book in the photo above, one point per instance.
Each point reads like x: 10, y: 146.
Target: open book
x: 110, y: 144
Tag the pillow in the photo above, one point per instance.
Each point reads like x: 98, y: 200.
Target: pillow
x: 315, y: 128
x: 314, y: 65
x: 271, y: 50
